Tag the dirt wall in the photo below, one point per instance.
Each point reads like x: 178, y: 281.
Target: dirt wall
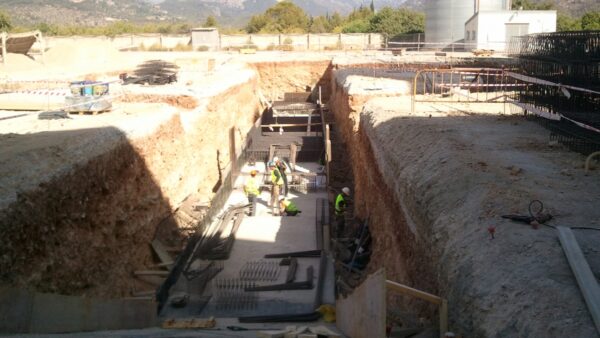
x: 277, y: 78
x: 396, y: 246
x: 85, y: 230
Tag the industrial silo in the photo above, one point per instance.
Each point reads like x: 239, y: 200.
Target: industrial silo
x: 492, y: 5
x: 445, y: 19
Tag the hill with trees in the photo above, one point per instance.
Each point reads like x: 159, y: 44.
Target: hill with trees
x: 110, y: 17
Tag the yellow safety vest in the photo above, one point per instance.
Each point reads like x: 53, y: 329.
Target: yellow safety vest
x: 274, y: 179
x: 340, y: 205
x: 251, y: 187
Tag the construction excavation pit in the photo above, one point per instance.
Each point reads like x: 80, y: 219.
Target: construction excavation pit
x: 472, y: 208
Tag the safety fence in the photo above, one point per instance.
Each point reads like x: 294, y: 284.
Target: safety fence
x: 571, y: 113
x: 564, y: 57
x: 560, y: 46
x: 563, y: 84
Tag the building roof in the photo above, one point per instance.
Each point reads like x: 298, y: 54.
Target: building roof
x: 512, y: 11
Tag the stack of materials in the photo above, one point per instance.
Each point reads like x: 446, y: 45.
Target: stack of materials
x: 88, y: 97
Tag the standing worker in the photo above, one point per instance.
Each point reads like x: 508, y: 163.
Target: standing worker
x: 252, y: 192
x: 277, y: 182
x: 281, y: 166
x: 340, y: 209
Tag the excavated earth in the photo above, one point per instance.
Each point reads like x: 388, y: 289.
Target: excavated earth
x: 432, y: 183
x: 81, y: 199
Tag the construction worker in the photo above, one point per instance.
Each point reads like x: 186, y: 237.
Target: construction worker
x: 340, y: 209
x: 289, y: 207
x: 276, y: 182
x: 251, y: 190
x: 281, y: 165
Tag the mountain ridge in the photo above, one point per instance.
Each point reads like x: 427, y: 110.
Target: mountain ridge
x: 229, y: 12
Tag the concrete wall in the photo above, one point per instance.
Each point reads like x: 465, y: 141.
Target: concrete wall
x: 262, y: 41
x: 324, y: 41
x: 122, y: 41
x: 238, y: 40
x: 305, y: 41
x: 487, y: 30
x: 23, y: 311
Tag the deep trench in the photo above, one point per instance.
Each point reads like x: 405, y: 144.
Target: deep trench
x: 85, y: 225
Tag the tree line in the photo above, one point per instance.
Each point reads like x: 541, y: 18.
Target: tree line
x: 564, y: 22
x: 286, y: 17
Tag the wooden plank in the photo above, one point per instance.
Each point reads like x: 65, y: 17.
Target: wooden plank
x: 161, y: 252
x: 363, y: 313
x: 293, y: 154
x: 276, y: 125
x: 149, y: 293
x: 154, y: 280
x: 232, y: 155
x: 408, y: 291
x: 588, y: 285
x: 189, y: 323
x: 443, y: 318
x: 150, y: 273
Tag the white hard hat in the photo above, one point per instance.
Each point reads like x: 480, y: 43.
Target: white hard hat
x: 346, y: 190
x: 275, y: 159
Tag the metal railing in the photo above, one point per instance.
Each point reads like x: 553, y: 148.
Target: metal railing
x: 462, y: 85
x: 433, y: 299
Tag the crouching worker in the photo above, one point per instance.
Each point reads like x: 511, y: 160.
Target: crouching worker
x: 288, y: 207
x: 252, y: 192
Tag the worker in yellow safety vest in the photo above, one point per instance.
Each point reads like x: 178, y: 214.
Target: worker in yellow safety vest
x: 252, y: 191
x: 340, y: 208
x: 276, y: 182
x: 288, y: 207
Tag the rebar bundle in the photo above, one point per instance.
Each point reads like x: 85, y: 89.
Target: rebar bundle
x: 260, y: 270
x: 583, y: 46
x: 566, y: 89
x: 230, y: 295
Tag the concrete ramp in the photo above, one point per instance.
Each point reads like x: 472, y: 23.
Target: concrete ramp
x: 23, y: 311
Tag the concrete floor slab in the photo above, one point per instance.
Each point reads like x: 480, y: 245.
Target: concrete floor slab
x: 257, y: 236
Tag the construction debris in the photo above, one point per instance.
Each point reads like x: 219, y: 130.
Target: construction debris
x: 153, y: 72
x: 161, y: 252
x: 189, y: 323
x: 299, y: 332
x: 482, y: 52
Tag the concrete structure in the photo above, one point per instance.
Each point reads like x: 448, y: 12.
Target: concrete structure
x: 494, y: 29
x: 206, y: 38
x: 444, y: 19
x: 326, y: 41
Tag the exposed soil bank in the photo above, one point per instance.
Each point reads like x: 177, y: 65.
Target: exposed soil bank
x: 88, y: 204
x: 277, y: 78
x: 395, y: 246
x: 433, y: 185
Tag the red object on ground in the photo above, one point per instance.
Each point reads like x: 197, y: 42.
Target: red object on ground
x: 492, y: 230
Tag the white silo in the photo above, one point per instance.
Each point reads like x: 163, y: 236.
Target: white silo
x: 492, y: 5
x: 445, y: 19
